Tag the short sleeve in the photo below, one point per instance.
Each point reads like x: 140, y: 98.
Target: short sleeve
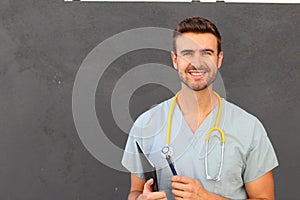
x: 130, y: 159
x: 261, y: 157
x: 145, y: 130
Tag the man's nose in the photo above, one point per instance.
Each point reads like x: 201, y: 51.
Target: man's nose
x: 197, y: 59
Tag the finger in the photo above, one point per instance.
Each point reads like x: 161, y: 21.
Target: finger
x: 158, y: 195
x: 148, y: 185
x: 182, y: 179
x: 180, y: 186
x: 181, y: 194
x: 178, y: 198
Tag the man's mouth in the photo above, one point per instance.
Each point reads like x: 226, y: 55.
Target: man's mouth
x: 197, y: 73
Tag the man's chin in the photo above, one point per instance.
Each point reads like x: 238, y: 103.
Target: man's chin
x: 197, y: 88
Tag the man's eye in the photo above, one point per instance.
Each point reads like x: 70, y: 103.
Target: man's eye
x: 206, y: 53
x: 187, y: 54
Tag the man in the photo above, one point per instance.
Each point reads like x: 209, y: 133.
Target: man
x: 249, y: 158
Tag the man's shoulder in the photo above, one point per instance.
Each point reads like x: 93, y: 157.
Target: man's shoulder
x: 157, y: 111
x: 238, y: 112
x: 240, y: 122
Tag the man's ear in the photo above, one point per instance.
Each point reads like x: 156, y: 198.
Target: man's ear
x: 174, y: 59
x: 220, y: 59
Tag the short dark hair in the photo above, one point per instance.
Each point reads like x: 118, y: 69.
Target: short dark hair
x: 197, y: 25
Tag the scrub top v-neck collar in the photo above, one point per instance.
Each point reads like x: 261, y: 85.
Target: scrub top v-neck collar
x: 207, y: 123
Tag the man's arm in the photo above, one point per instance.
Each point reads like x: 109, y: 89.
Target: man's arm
x: 141, y: 190
x: 261, y: 188
x: 136, y: 188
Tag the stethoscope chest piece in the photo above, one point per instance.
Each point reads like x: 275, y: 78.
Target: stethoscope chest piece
x: 167, y: 151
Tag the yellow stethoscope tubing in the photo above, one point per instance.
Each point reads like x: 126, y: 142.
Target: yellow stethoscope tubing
x: 170, y: 119
x: 215, y: 128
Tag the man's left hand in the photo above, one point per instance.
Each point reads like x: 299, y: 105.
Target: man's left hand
x: 186, y: 188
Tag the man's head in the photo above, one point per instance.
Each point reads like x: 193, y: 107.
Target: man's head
x: 197, y: 54
x: 197, y: 25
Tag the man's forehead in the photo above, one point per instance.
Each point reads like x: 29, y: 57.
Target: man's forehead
x: 196, y: 40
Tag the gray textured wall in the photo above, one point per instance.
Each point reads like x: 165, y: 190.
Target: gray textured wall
x: 42, y: 45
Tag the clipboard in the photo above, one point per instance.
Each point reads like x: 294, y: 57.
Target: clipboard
x: 148, y: 167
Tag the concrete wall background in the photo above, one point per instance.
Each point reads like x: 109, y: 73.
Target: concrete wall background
x: 42, y: 44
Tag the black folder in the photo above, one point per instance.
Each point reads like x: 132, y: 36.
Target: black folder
x: 148, y: 167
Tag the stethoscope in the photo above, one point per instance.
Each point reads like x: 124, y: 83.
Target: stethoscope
x: 167, y: 151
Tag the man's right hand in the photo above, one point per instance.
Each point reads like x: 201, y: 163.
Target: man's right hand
x: 149, y: 195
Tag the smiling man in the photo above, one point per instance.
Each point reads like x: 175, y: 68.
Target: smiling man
x: 219, y: 150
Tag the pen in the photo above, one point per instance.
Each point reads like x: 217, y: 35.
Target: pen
x: 171, y: 165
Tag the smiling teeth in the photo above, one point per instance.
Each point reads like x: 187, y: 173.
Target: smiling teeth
x: 197, y: 73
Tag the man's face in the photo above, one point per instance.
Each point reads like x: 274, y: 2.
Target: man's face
x: 196, y: 59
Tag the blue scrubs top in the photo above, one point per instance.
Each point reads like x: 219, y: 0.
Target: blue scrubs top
x: 248, y: 152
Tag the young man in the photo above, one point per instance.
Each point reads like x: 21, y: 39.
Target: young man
x: 240, y: 169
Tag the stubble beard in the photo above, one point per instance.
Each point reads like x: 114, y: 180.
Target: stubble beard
x: 209, y: 81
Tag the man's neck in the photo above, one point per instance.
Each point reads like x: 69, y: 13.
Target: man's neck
x: 196, y: 105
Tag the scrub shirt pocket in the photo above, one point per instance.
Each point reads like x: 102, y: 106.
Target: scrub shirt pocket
x: 231, y: 182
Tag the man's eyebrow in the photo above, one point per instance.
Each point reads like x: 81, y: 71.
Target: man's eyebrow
x: 209, y: 50
x: 187, y: 51
x: 192, y: 51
